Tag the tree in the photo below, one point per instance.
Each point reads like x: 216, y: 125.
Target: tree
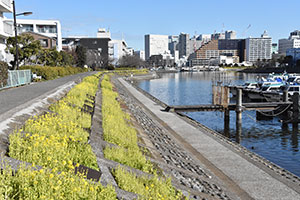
x: 49, y: 57
x: 67, y: 58
x: 27, y: 48
x: 80, y: 59
x: 3, y: 73
x: 130, y: 61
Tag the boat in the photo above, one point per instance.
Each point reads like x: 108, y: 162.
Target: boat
x: 267, y: 92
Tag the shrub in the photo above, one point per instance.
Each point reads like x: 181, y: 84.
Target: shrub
x: 45, y: 184
x: 3, y: 73
x: 147, y: 188
x: 50, y: 73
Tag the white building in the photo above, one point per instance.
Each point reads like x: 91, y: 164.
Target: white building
x: 102, y: 33
x: 259, y: 48
x: 204, y: 38
x: 155, y: 45
x: 117, y: 49
x: 292, y: 42
x: 49, y: 28
x: 230, y: 35
x: 6, y: 28
x: 140, y: 54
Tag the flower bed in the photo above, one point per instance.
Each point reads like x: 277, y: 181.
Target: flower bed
x: 117, y: 130
x: 56, y: 141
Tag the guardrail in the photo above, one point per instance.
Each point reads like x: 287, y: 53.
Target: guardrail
x: 17, y: 78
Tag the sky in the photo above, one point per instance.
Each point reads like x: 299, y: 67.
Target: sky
x: 132, y: 19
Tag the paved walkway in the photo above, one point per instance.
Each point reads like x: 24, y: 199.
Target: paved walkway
x: 239, y: 175
x: 19, y: 104
x: 13, y: 97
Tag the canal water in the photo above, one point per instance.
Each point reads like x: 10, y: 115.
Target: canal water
x: 266, y: 138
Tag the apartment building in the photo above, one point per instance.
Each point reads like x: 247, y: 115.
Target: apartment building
x: 155, y: 45
x: 49, y: 28
x: 6, y: 27
x: 259, y: 48
x: 184, y: 45
x: 292, y: 42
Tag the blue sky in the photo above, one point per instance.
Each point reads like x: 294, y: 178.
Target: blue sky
x: 135, y: 18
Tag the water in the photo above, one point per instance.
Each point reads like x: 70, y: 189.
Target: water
x: 266, y: 138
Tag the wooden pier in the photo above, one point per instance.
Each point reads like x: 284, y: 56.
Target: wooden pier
x: 264, y: 110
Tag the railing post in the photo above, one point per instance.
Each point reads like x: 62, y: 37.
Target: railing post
x: 295, y: 99
x: 227, y: 122
x: 238, y: 111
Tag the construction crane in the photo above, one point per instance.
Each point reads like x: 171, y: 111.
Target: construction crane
x: 245, y: 31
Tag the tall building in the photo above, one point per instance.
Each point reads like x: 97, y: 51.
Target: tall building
x: 294, y: 53
x: 173, y: 43
x: 49, y: 28
x: 230, y: 35
x: 155, y: 45
x: 6, y: 28
x: 183, y: 45
x: 259, y: 48
x: 292, y: 42
x: 140, y: 54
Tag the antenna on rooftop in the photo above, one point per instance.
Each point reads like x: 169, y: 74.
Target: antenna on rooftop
x: 223, y: 28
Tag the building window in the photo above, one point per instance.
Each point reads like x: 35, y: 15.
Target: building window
x: 44, y: 42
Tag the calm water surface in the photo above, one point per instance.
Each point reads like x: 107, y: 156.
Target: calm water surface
x: 265, y: 138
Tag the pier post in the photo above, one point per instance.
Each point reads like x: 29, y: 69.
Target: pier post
x: 285, y: 116
x: 226, y: 122
x: 238, y: 111
x: 295, y: 99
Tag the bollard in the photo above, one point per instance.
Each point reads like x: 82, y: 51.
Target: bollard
x: 238, y: 111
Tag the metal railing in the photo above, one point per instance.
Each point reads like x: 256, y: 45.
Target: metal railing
x: 17, y: 78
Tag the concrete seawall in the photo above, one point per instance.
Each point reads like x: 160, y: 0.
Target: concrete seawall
x: 235, y: 171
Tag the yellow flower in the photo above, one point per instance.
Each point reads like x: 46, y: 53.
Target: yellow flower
x: 51, y: 176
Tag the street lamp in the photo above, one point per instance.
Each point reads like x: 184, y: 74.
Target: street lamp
x: 16, y: 33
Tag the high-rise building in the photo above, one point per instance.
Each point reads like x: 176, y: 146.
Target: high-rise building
x: 230, y: 35
x: 6, y: 28
x: 155, y: 45
x: 49, y: 28
x: 218, y: 36
x: 292, y: 42
x: 140, y: 54
x: 259, y: 48
x: 173, y: 43
x: 183, y: 45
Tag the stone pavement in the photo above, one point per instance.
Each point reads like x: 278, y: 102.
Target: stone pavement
x: 236, y: 174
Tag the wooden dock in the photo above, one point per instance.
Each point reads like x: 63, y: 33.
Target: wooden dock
x: 231, y: 106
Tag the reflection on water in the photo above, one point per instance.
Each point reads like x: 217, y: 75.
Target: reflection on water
x: 270, y: 139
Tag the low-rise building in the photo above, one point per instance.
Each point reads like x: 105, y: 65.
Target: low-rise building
x: 49, y: 28
x: 140, y: 54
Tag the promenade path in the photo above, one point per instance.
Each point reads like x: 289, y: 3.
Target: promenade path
x: 20, y: 103
x: 241, y: 175
x: 11, y: 98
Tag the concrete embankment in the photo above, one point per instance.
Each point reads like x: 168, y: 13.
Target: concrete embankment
x: 203, y: 161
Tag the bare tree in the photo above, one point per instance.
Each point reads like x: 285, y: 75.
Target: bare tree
x: 131, y: 61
